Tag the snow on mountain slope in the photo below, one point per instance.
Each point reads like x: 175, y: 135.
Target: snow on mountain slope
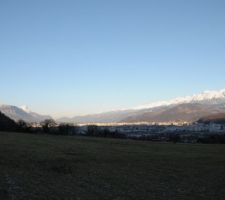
x: 187, y: 108
x: 205, y: 103
x: 25, y: 114
x: 25, y: 108
x: 210, y: 97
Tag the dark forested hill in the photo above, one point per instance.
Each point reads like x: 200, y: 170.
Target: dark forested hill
x: 216, y: 118
x: 7, y: 124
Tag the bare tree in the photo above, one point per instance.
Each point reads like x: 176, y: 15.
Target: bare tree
x: 47, y: 125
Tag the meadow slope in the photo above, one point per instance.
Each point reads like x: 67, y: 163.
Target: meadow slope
x: 82, y: 168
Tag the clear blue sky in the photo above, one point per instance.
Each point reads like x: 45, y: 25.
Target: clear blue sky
x: 85, y: 56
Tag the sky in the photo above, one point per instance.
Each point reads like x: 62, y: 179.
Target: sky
x: 74, y: 57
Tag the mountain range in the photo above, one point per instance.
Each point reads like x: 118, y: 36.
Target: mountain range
x: 182, y: 109
x: 22, y: 113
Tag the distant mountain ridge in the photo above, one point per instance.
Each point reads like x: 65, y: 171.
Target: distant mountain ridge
x: 178, y: 113
x: 207, y: 97
x: 17, y: 113
x: 182, y: 109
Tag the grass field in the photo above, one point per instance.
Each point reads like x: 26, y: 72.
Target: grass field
x: 81, y: 168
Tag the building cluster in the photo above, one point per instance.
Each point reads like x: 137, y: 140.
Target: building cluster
x: 145, y: 129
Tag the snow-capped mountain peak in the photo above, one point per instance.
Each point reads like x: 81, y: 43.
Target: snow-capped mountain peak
x: 25, y: 108
x: 22, y: 113
x: 212, y: 97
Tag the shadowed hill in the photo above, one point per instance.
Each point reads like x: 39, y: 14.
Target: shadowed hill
x: 7, y: 124
x: 216, y: 118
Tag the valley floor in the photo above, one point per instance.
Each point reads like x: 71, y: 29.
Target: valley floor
x: 83, y: 168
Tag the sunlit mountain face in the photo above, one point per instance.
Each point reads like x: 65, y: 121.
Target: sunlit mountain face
x: 181, y: 109
x: 23, y: 113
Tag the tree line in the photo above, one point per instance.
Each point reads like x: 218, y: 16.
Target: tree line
x: 49, y: 126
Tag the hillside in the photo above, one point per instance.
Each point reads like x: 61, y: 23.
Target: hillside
x: 6, y: 124
x: 179, y: 113
x: 24, y: 114
x: 181, y: 109
x: 216, y: 118
x: 63, y: 167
